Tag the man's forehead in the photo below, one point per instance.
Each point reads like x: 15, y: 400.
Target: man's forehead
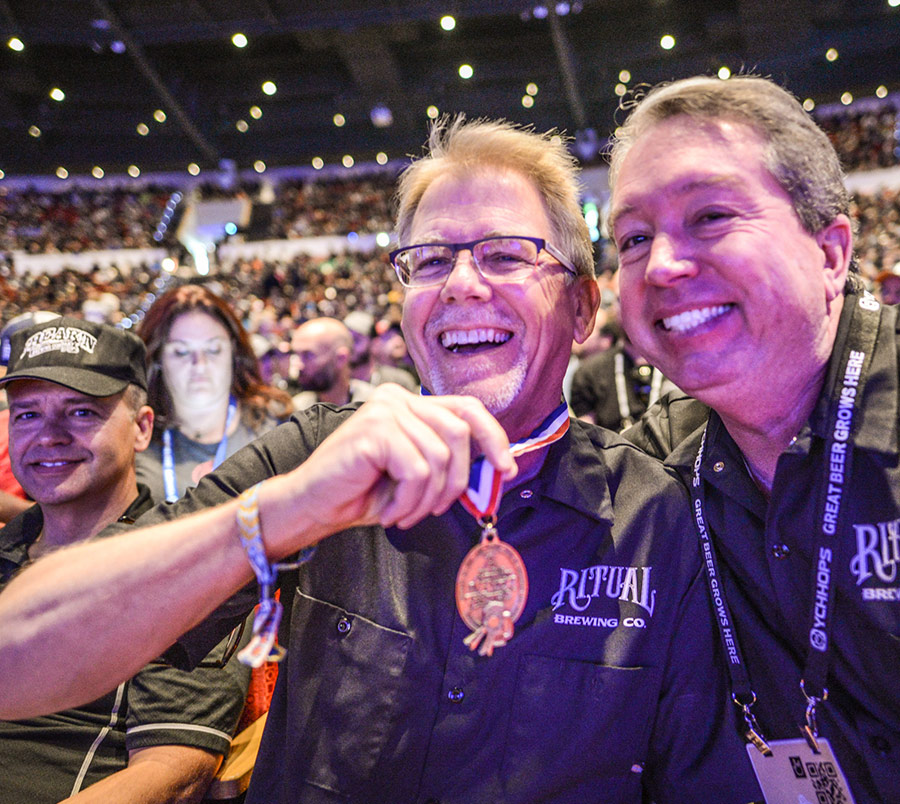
x: 493, y: 199
x: 728, y: 147
x: 26, y: 390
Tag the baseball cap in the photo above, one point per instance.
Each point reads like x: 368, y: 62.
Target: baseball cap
x: 93, y: 359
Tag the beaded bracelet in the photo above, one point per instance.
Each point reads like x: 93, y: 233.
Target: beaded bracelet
x: 263, y: 646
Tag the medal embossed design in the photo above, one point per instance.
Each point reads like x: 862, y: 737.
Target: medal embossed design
x: 491, y: 589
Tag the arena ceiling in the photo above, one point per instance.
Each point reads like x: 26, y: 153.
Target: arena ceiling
x: 119, y: 61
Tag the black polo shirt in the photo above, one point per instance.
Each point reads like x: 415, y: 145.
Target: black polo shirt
x: 46, y: 759
x: 766, y: 552
x: 607, y: 688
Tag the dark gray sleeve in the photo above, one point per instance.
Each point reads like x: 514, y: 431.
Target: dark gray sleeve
x: 274, y: 453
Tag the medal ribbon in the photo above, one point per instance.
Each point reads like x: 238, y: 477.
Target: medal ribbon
x: 482, y: 498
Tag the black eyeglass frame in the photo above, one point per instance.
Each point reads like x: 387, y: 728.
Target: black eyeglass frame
x: 455, y: 248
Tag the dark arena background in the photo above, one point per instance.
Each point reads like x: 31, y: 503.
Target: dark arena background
x: 256, y: 142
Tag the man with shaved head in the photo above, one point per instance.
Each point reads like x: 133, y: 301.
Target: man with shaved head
x: 322, y: 349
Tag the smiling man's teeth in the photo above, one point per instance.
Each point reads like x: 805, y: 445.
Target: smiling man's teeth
x: 454, y: 338
x: 53, y: 463
x: 693, y: 318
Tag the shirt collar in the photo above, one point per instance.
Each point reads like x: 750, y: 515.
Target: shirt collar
x: 571, y: 475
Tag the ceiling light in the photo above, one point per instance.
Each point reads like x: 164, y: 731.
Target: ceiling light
x: 381, y: 116
x: 432, y: 112
x: 724, y: 72
x: 620, y: 89
x: 831, y: 54
x: 97, y: 172
x: 317, y: 162
x: 881, y: 92
x: 269, y: 87
x: 134, y: 171
x: 57, y: 94
x: 532, y: 88
x: 16, y: 44
x: 624, y: 76
x: 34, y: 131
x: 62, y: 173
x: 381, y: 158
x: 255, y: 112
x: 339, y: 120
x: 667, y: 42
x: 347, y: 161
x: 809, y: 104
x: 193, y: 169
x: 527, y: 101
x: 466, y: 71
x: 241, y: 126
x: 143, y: 129
x: 239, y: 40
x: 259, y: 166
x: 448, y: 23
x: 159, y: 116
x: 846, y: 98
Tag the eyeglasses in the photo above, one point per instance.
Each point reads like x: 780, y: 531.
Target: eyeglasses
x: 494, y: 257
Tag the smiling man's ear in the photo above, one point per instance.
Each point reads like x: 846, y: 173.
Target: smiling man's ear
x: 586, y: 298
x: 836, y: 242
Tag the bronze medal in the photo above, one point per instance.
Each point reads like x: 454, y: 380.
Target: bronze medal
x: 491, y: 590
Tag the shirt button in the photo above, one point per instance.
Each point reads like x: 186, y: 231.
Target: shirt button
x: 344, y: 625
x: 455, y: 694
x: 880, y: 744
x: 526, y: 494
x: 781, y: 550
x: 718, y: 466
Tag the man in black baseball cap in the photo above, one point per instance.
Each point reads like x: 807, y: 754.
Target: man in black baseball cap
x: 78, y: 415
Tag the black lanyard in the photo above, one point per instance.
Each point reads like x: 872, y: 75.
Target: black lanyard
x: 836, y: 469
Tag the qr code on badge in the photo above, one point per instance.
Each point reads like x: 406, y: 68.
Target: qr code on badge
x: 824, y: 778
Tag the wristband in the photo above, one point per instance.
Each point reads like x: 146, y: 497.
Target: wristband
x: 263, y: 646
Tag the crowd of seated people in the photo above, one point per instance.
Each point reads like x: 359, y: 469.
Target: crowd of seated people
x: 79, y: 219
x: 864, y: 139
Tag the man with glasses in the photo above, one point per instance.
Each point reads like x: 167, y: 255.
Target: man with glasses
x: 78, y: 415
x: 521, y: 629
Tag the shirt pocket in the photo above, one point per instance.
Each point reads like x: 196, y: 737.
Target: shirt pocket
x: 578, y: 731
x: 344, y: 699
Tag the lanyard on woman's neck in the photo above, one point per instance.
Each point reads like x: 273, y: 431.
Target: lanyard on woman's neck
x: 170, y: 486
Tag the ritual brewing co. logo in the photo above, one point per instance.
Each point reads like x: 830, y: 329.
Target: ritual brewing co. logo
x: 579, y: 588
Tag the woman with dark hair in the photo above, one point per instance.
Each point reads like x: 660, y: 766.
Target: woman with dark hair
x: 205, y: 387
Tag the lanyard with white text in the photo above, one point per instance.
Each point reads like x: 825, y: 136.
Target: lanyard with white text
x: 168, y: 459
x: 837, y: 465
x: 492, y: 583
